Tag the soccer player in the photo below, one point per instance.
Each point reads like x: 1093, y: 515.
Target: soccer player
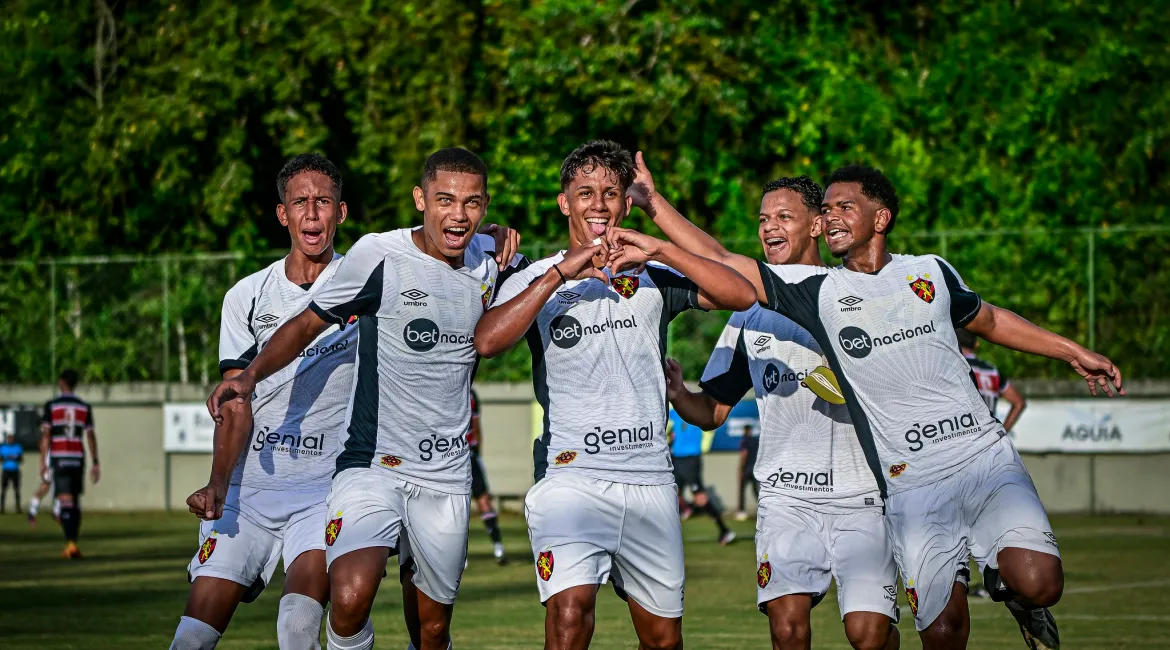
x: 686, y: 455
x: 820, y: 513
x: 887, y: 325
x: 403, y: 474
x: 65, y: 418
x: 479, y: 486
x: 604, y: 505
x: 749, y: 451
x: 12, y: 455
x: 990, y: 382
x: 274, y: 455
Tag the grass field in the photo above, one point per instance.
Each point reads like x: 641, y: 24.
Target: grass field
x: 129, y: 591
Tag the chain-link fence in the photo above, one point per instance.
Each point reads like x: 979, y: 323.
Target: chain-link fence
x: 134, y: 318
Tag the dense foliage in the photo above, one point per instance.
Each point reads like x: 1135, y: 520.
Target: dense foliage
x: 158, y: 129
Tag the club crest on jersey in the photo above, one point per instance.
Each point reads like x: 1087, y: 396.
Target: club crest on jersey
x: 922, y: 287
x: 625, y: 285
x: 544, y: 565
x: 912, y: 598
x: 351, y: 321
x: 207, y: 548
x: 486, y: 295
x: 333, y: 529
x: 896, y: 470
x: 566, y: 457
x: 391, y: 461
x: 764, y: 573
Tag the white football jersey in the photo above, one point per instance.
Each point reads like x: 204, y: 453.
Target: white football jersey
x: 416, y: 351
x: 808, y: 447
x: 298, y: 412
x: 890, y: 338
x: 597, y: 353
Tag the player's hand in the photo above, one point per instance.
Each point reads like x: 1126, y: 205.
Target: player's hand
x: 674, y: 379
x: 1098, y: 371
x: 642, y: 189
x: 95, y: 473
x: 585, y: 262
x: 629, y: 249
x: 238, y: 388
x: 207, y: 502
x: 507, y: 243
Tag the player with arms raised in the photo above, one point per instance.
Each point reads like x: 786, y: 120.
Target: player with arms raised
x: 604, y: 504
x: 954, y: 483
x: 402, y: 474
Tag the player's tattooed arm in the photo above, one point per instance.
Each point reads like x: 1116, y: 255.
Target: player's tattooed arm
x: 699, y: 409
x: 231, y: 436
x: 286, y: 343
x: 685, y: 234
x: 504, y: 324
x: 720, y: 286
x: 1006, y: 328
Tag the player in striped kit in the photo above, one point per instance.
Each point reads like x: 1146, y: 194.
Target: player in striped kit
x: 66, y: 418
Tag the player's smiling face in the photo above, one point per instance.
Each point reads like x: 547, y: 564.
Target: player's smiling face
x: 453, y: 205
x: 593, y: 201
x: 311, y: 211
x: 849, y: 217
x: 788, y: 227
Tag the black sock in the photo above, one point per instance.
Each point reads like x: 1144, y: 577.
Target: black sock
x: 69, y: 522
x: 710, y: 509
x: 492, y: 523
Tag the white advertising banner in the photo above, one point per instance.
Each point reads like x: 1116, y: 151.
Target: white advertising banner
x: 1099, y: 425
x: 188, y: 428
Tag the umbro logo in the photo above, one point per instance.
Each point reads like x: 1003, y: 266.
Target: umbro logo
x: 891, y: 590
x: 414, y: 297
x: 569, y: 296
x: 763, y: 340
x: 850, y: 303
x: 267, y: 321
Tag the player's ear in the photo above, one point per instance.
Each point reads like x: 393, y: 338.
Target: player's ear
x: 420, y: 203
x: 882, y: 220
x: 281, y: 215
x: 818, y: 226
x: 342, y: 212
x: 563, y: 202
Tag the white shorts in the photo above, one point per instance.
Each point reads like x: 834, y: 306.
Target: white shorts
x: 257, y: 529
x: 371, y: 507
x: 799, y: 549
x: 585, y: 531
x: 989, y: 505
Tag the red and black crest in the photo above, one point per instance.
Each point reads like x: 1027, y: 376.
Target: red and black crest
x: 206, y: 550
x: 923, y: 289
x: 391, y: 461
x: 625, y: 285
x: 332, y: 531
x: 764, y: 574
x: 896, y: 470
x: 566, y: 457
x: 912, y: 598
x: 544, y: 565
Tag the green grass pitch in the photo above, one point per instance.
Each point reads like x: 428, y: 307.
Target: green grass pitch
x: 129, y: 591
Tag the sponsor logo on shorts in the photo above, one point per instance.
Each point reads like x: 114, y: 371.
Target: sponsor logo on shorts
x: 621, y: 439
x: 896, y: 470
x: 849, y: 303
x: 294, y: 445
x: 566, y: 331
x: 857, y: 343
x: 391, y: 461
x: 414, y: 298
x: 764, y: 573
x: 544, y: 565
x: 945, y: 429
x: 891, y: 593
x: 333, y: 529
x: 207, y: 548
x: 566, y: 457
x: 421, y: 335
x: 801, y: 480
x: 922, y: 287
x: 444, y: 447
x: 912, y: 598
x: 625, y: 285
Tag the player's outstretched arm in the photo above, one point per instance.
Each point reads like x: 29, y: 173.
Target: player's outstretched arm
x: 504, y: 325
x: 1006, y: 328
x: 231, y: 436
x: 685, y: 234
x: 699, y: 409
x: 720, y: 286
x: 282, y: 349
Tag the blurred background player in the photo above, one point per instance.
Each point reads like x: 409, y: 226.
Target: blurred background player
x: 990, y: 381
x: 65, y: 418
x: 749, y: 448
x: 686, y: 454
x: 479, y: 486
x: 12, y: 456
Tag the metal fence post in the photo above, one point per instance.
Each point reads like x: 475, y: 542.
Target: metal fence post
x: 166, y: 340
x: 1092, y: 290
x: 52, y: 321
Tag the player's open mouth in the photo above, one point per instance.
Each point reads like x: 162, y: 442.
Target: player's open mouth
x: 312, y: 237
x: 774, y: 244
x: 835, y: 235
x: 597, y: 225
x: 455, y: 236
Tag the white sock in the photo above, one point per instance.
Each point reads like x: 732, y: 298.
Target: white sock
x: 363, y: 640
x: 33, y: 504
x: 298, y: 623
x: 194, y: 634
x: 56, y: 507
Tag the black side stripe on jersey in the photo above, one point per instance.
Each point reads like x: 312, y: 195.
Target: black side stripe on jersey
x: 965, y: 303
x: 730, y: 386
x: 238, y: 364
x: 362, y: 438
x: 365, y: 303
x: 540, y: 388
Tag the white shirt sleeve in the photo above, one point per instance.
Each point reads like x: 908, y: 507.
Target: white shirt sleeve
x: 357, y: 286
x: 237, y: 340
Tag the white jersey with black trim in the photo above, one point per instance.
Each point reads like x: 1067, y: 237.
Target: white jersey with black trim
x: 597, y: 353
x: 808, y: 447
x: 890, y: 338
x: 416, y: 352
x: 298, y: 411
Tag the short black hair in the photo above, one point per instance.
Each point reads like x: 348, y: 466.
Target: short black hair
x: 874, y: 185
x: 966, y: 338
x: 810, y: 193
x: 70, y: 377
x: 307, y: 162
x: 454, y: 159
x: 599, y: 153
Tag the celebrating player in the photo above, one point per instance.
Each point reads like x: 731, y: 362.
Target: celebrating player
x: 604, y: 503
x: 273, y: 457
x: 66, y: 417
x: 886, y: 324
x: 820, y: 514
x: 402, y: 474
